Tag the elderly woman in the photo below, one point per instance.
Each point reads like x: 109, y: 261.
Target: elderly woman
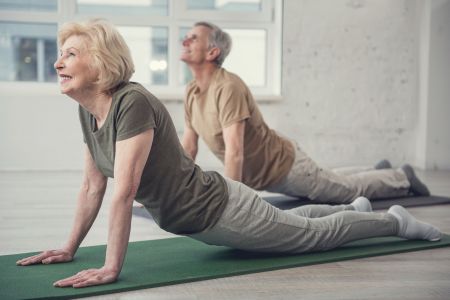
x: 130, y: 136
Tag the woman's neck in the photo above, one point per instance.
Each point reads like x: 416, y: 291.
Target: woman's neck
x: 97, y: 103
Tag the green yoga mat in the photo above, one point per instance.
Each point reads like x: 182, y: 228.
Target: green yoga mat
x: 177, y: 260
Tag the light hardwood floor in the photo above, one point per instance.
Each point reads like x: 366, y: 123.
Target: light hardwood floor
x: 36, y: 210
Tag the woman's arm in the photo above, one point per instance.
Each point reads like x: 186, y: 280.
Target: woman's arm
x: 131, y: 157
x: 89, y: 201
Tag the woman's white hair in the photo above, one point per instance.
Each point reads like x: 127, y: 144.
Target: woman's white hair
x: 110, y: 54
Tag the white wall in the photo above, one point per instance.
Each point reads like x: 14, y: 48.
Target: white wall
x: 350, y: 79
x: 423, y: 43
x: 352, y: 91
x: 38, y: 130
x: 438, y: 126
x: 433, y: 138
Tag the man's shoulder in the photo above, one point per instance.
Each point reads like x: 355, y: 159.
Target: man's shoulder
x: 229, y: 80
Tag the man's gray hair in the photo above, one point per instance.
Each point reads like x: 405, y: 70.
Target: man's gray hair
x: 218, y: 38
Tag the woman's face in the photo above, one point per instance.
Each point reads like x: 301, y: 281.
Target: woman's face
x: 74, y: 67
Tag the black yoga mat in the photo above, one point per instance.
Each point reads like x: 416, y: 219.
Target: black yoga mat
x: 177, y: 260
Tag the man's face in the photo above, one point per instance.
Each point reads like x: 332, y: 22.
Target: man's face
x: 196, y: 46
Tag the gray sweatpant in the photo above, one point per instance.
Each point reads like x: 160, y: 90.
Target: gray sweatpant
x: 307, y: 179
x: 250, y: 223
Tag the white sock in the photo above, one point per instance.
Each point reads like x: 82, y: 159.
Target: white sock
x: 411, y: 228
x: 362, y: 204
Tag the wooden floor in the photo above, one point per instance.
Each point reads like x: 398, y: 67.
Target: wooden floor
x: 36, y: 210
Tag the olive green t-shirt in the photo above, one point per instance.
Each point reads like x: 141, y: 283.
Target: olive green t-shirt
x: 268, y: 157
x: 180, y: 196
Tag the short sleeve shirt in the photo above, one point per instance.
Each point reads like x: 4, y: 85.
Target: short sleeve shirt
x: 268, y: 157
x: 180, y: 196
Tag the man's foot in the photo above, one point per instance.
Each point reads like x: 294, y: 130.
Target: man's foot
x: 412, y: 229
x: 417, y: 187
x: 383, y: 164
x: 362, y: 204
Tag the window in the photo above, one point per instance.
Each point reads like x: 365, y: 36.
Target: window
x: 29, y: 5
x: 153, y: 30
x: 27, y: 51
x: 149, y: 49
x: 225, y: 5
x: 117, y: 7
x: 249, y: 49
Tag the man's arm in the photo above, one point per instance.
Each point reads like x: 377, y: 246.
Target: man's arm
x: 190, y: 142
x: 233, y: 137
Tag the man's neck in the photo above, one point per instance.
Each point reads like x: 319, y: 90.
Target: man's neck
x: 203, y: 75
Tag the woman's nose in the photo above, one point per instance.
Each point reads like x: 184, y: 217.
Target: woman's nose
x: 58, y: 64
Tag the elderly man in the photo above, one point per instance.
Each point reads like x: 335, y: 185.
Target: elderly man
x: 220, y: 108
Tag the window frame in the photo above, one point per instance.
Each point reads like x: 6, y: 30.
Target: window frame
x: 269, y: 19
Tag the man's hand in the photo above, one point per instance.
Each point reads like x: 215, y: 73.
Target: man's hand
x: 89, y: 278
x: 47, y: 257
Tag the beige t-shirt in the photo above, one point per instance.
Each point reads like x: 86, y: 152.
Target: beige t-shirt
x: 180, y: 196
x: 267, y: 157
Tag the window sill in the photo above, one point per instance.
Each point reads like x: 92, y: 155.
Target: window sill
x: 51, y: 89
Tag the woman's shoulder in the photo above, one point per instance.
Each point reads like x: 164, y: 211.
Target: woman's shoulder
x: 132, y: 88
x: 133, y: 92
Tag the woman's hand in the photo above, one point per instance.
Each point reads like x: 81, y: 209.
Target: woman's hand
x: 88, y: 278
x: 47, y: 257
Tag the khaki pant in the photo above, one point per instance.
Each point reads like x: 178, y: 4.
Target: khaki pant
x: 307, y: 179
x: 250, y: 223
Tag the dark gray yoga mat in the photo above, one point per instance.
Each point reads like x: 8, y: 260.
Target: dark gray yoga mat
x: 286, y: 202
